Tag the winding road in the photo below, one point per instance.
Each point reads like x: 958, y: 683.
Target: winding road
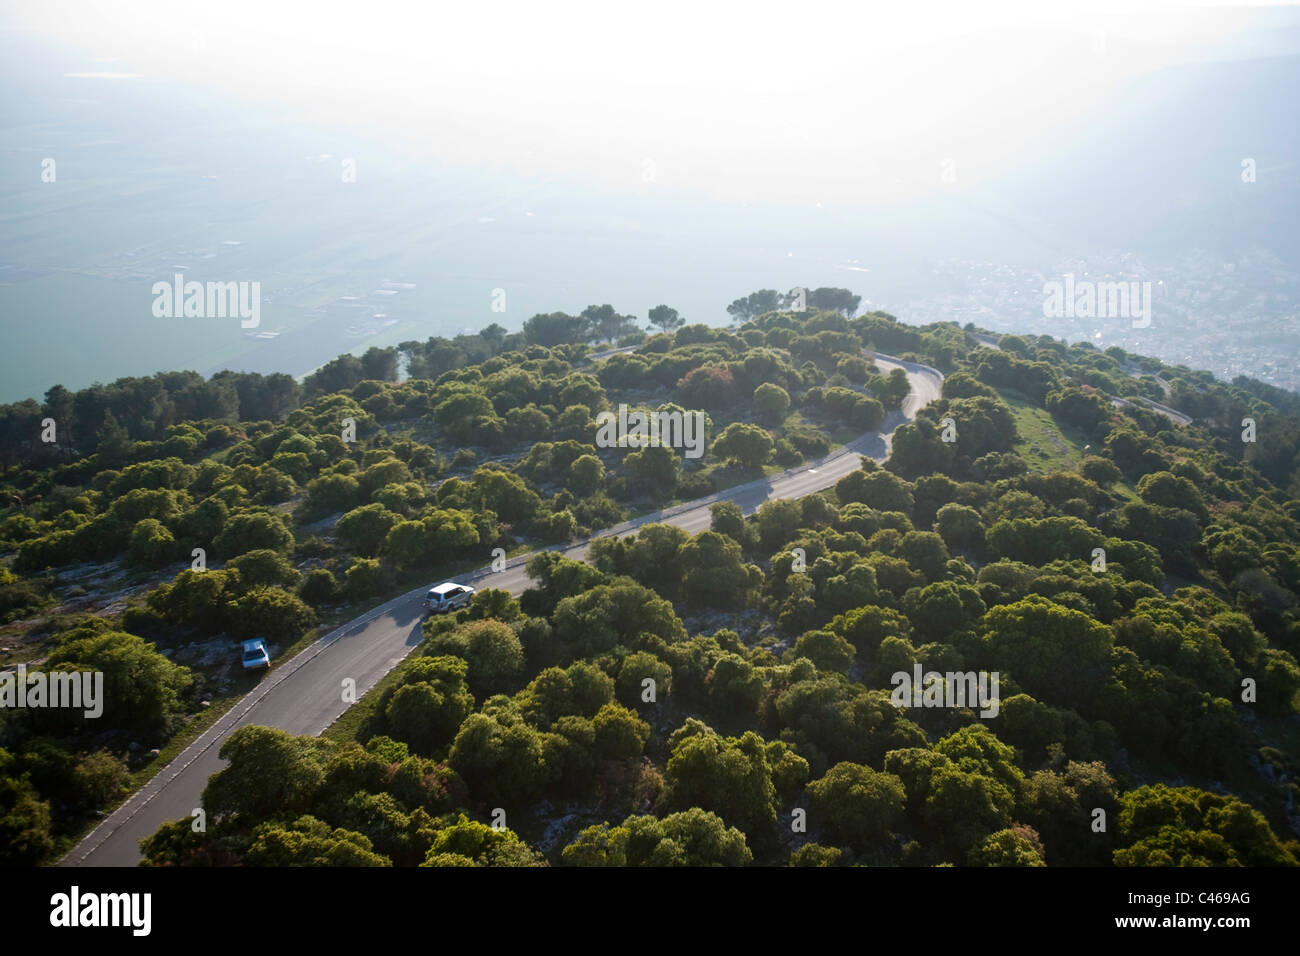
x: 1173, y: 414
x: 304, y: 695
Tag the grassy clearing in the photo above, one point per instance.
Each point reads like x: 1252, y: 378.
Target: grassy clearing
x: 1045, y: 444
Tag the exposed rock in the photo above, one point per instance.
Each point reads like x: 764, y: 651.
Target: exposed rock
x: 557, y: 832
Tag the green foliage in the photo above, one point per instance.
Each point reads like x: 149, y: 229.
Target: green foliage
x: 771, y: 401
x: 310, y: 842
x: 365, y: 529
x: 814, y: 855
x: 1056, y: 654
x: 493, y: 651
x: 727, y: 775
x: 480, y: 845
x: 141, y: 687
x: 24, y: 817
x: 361, y: 580
x: 957, y: 555
x: 745, y: 445
x: 427, y: 708
x: 500, y: 758
x: 271, y: 613
x: 857, y: 806
x: 620, y: 733
x: 263, y: 568
x: 269, y: 772
x: 151, y: 544
x: 693, y: 837
x: 250, y: 531
x: 1167, y: 826
x: 1014, y: 846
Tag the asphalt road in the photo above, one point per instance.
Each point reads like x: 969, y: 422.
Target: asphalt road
x: 305, y: 695
x: 1173, y: 414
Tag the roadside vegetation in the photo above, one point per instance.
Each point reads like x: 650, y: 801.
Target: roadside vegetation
x: 718, y: 698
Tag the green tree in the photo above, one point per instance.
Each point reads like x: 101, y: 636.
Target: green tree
x: 827, y: 650
x: 666, y: 319
x: 271, y: 613
x: 500, y: 761
x: 960, y: 526
x: 1171, y: 491
x: 865, y: 627
x: 25, y: 837
x: 857, y: 806
x: 361, y: 579
x: 620, y: 733
x: 251, y: 531
x: 965, y: 808
x: 493, y: 651
x: 407, y: 543
x: 151, y: 544
x: 881, y: 490
x: 310, y: 842
x: 816, y: 855
x: 727, y: 775
x: 1056, y: 654
x: 430, y: 704
x: 652, y: 471
x: 471, y: 843
x: 771, y: 402
x: 693, y: 837
x: 365, y: 529
x: 1014, y: 846
x: 506, y: 494
x: 269, y: 772
x: 112, y: 443
x: 713, y: 573
x: 585, y: 475
x: 606, y: 615
x: 141, y: 687
x: 745, y: 445
x: 1161, y: 825
x: 331, y: 493
x: 263, y: 568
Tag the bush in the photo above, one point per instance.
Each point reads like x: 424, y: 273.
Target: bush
x: 319, y: 586
x: 362, y: 579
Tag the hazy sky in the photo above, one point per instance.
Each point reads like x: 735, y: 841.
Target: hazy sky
x: 806, y: 101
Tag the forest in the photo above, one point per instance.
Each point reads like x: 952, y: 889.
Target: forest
x: 716, y: 698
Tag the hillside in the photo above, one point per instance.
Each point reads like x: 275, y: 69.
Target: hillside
x: 728, y: 696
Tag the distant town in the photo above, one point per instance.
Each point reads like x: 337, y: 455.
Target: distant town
x: 1232, y: 316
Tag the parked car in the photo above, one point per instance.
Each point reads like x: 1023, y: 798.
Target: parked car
x: 447, y: 597
x: 255, y: 654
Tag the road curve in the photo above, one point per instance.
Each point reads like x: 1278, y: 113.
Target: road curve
x: 304, y: 696
x: 1173, y: 414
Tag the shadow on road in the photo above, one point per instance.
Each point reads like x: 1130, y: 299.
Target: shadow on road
x: 409, y: 614
x: 873, y: 445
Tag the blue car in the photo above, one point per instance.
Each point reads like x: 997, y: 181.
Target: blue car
x: 255, y: 655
